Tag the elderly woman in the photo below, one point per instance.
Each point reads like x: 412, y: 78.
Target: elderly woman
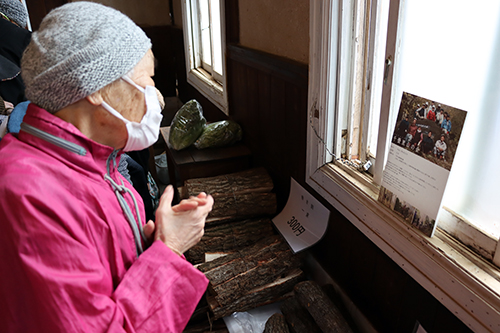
x: 76, y: 252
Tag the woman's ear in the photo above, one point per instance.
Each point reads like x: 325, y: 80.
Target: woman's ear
x: 95, y: 98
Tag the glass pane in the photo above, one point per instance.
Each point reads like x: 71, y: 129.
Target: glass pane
x: 378, y: 74
x: 449, y: 54
x: 343, y: 41
x: 216, y: 36
x: 206, y: 51
x: 205, y: 47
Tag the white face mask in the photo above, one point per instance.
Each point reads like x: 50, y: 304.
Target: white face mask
x: 144, y: 134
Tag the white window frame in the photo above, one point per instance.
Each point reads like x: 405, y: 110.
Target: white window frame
x: 214, y: 89
x: 464, y: 283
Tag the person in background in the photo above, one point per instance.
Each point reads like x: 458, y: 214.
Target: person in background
x: 419, y: 112
x: 13, y: 40
x: 431, y: 115
x: 428, y: 107
x: 446, y: 125
x: 410, y: 133
x: 440, y: 148
x: 15, y: 12
x: 401, y: 131
x: 79, y: 253
x: 416, y: 138
x: 427, y: 143
x: 439, y: 117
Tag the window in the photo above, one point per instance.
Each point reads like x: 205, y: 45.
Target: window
x: 462, y: 62
x: 364, y: 54
x: 204, y: 42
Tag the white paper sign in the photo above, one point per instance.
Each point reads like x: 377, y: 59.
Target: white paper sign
x: 304, y: 219
x: 420, y: 159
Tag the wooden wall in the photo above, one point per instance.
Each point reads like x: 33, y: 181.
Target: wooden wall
x: 268, y: 97
x: 284, y: 23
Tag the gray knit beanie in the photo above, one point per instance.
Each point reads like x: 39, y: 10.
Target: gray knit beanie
x: 15, y: 11
x: 79, y: 48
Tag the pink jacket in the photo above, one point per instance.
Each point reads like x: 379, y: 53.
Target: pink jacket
x: 67, y: 254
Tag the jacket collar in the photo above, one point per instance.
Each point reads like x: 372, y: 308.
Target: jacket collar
x: 87, y: 154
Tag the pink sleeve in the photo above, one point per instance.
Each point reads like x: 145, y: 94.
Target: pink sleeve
x: 58, y: 282
x: 157, y: 292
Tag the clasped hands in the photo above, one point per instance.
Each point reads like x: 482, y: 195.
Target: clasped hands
x: 181, y: 226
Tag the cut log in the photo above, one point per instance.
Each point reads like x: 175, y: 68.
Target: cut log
x: 276, y: 324
x: 216, y: 264
x: 263, y: 273
x: 329, y: 290
x: 266, y: 294
x: 233, y: 275
x: 253, y: 180
x: 298, y: 318
x: 325, y: 313
x: 237, y: 196
x: 229, y: 237
x: 240, y: 206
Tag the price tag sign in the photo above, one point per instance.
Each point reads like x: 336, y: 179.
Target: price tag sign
x: 304, y: 219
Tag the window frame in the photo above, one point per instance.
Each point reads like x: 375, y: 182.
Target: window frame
x: 467, y: 285
x: 214, y: 89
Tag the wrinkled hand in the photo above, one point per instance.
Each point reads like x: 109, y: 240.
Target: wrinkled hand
x: 180, y: 227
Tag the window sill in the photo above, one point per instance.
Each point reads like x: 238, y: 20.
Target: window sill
x: 209, y: 88
x: 466, y: 284
x: 469, y: 234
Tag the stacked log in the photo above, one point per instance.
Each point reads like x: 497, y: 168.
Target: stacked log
x: 297, y: 317
x: 230, y: 237
x: 237, y: 196
x: 257, y: 266
x: 255, y: 180
x: 259, y: 296
x: 251, y: 277
x: 312, y: 310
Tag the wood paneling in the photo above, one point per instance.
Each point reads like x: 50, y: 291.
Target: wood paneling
x: 268, y: 98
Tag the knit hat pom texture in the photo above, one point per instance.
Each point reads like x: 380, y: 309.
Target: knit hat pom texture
x: 79, y: 48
